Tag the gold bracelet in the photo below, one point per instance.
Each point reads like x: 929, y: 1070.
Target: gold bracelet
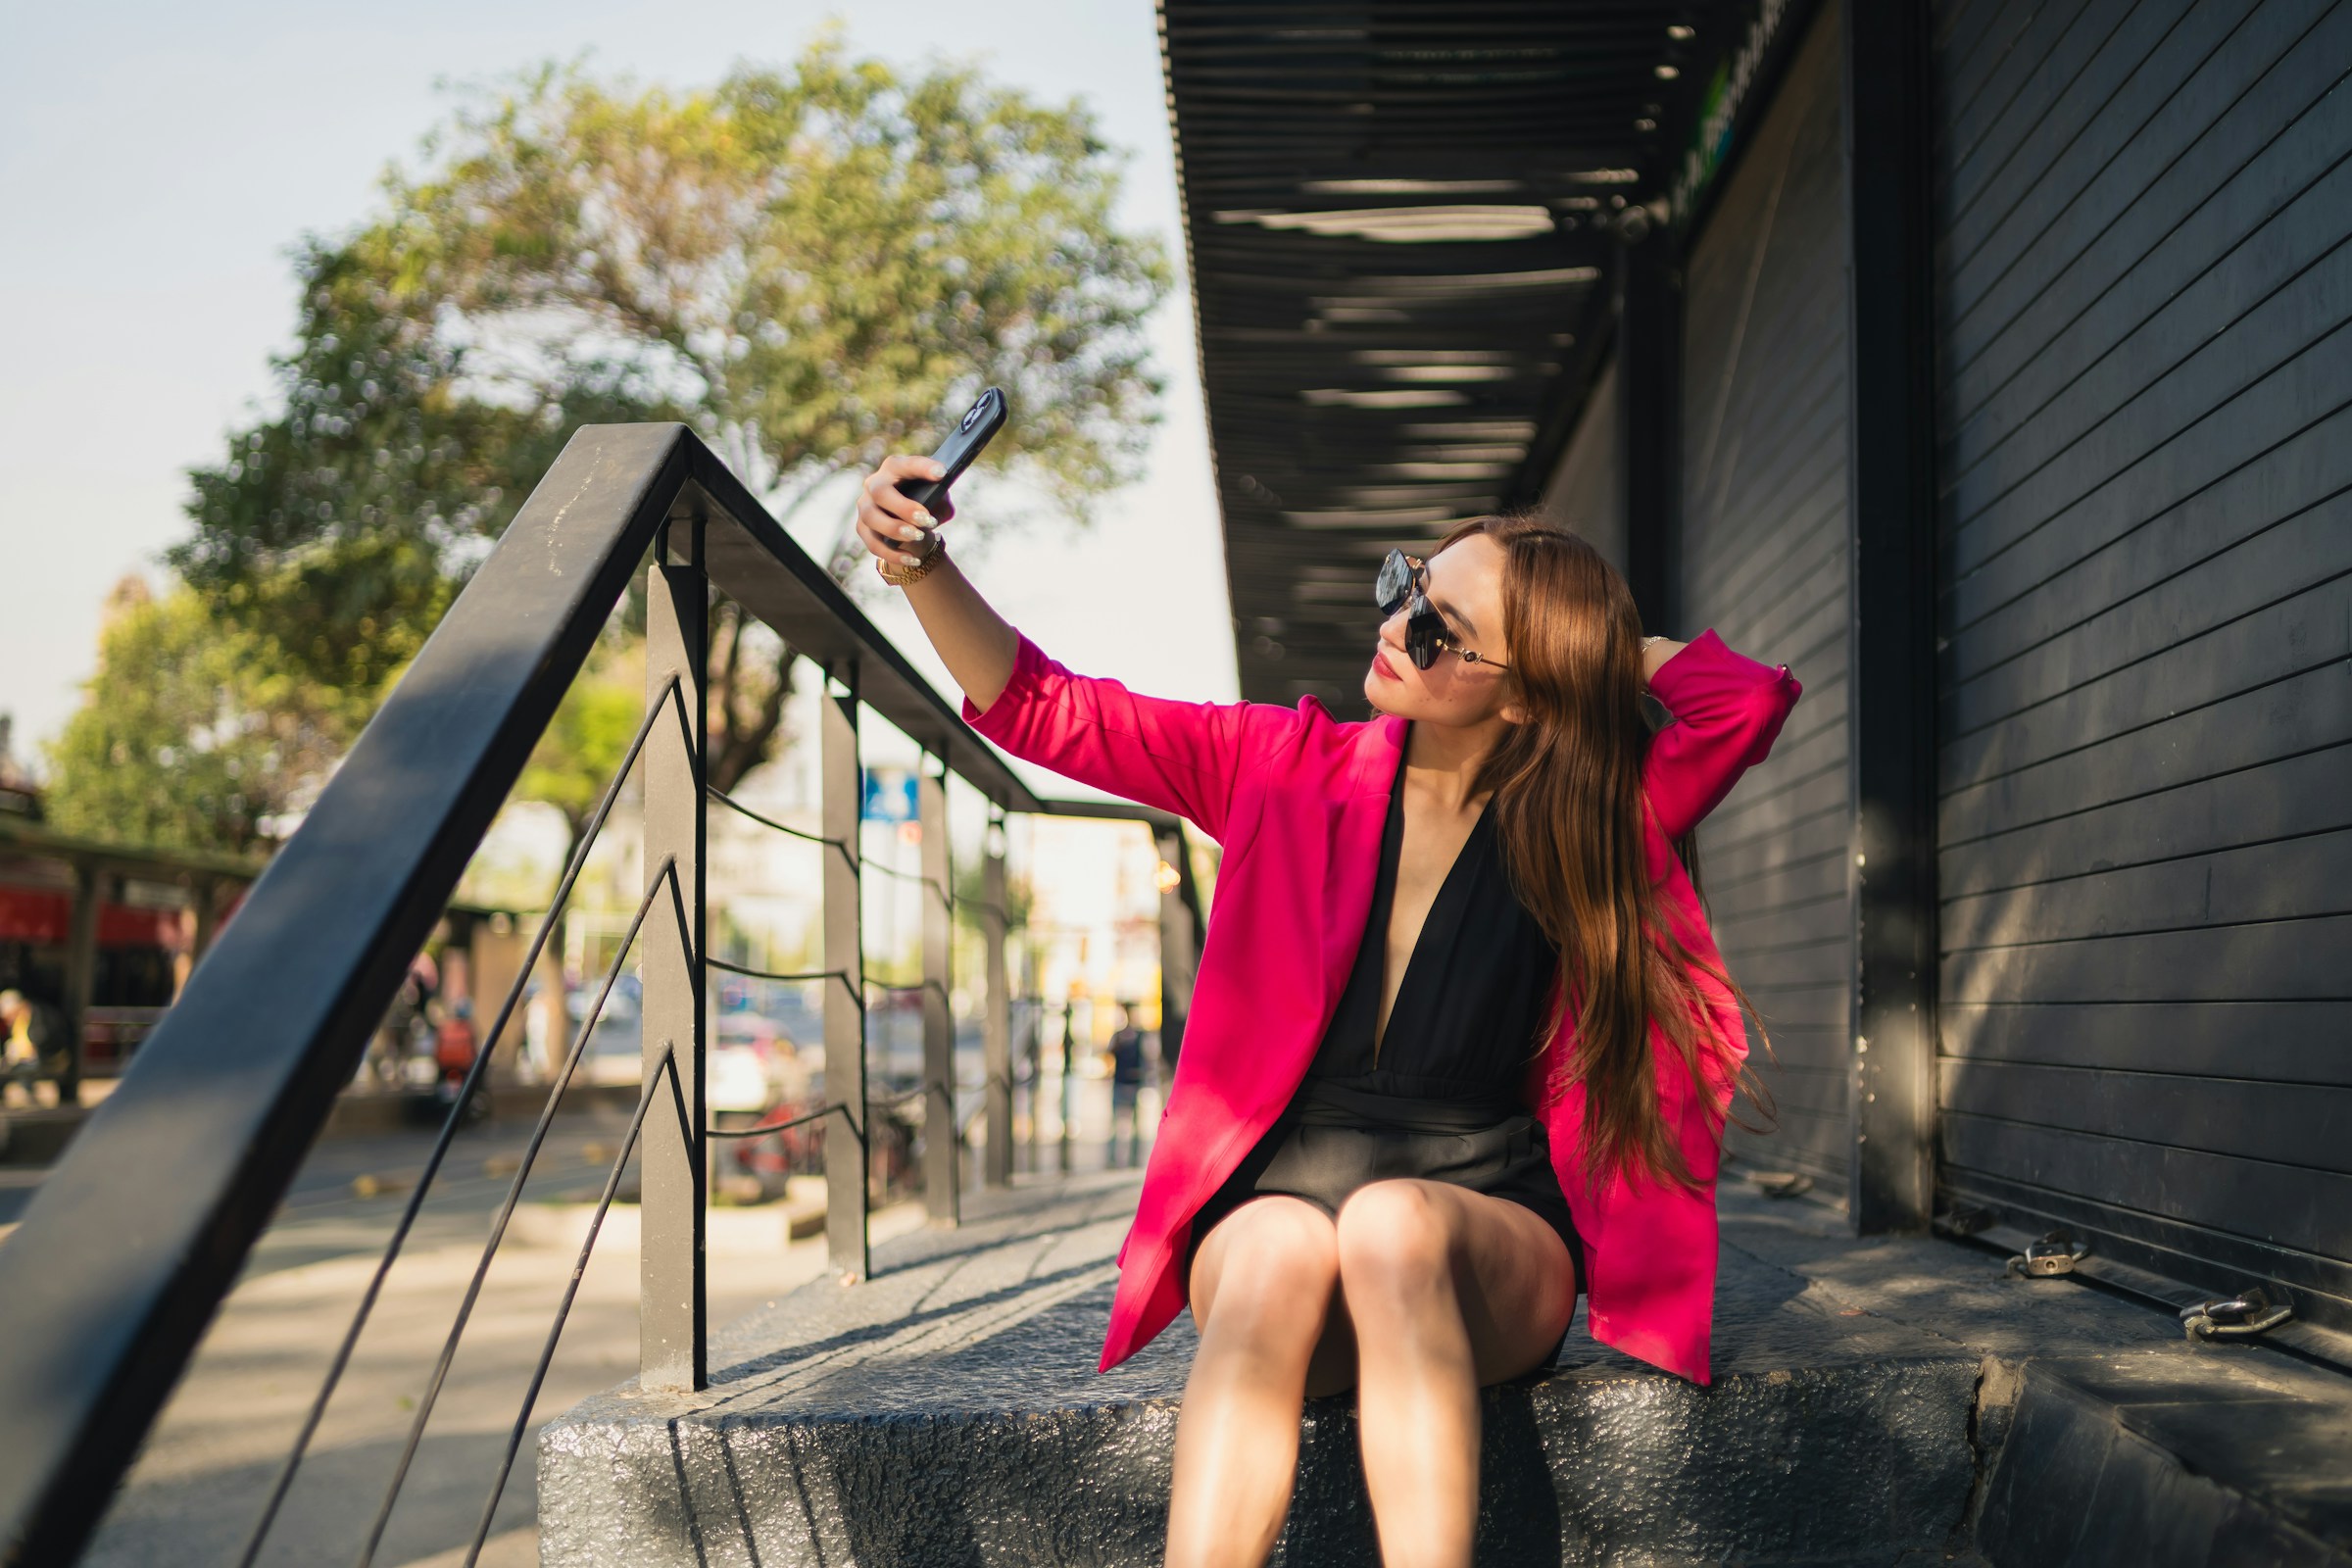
x: 900, y: 576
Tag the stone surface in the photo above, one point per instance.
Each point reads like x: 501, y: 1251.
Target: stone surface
x: 947, y: 1411
x: 1876, y: 1403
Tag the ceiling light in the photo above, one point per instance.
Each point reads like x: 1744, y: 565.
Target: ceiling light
x: 1681, y: 34
x: 1411, y: 187
x: 1443, y: 470
x: 1341, y: 397
x: 1407, y: 225
x: 1461, y: 373
x: 1668, y: 72
x: 1645, y: 124
x: 1430, y: 357
x: 1470, y: 430
x: 1606, y: 176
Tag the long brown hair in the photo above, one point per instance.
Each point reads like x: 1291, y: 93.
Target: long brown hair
x: 1567, y: 796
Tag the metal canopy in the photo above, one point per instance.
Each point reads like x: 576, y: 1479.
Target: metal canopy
x: 1403, y: 222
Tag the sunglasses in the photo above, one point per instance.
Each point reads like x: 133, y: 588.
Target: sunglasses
x: 1405, y: 580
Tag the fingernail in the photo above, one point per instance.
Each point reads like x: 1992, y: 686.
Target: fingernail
x: 909, y: 534
x: 922, y: 517
x: 910, y: 560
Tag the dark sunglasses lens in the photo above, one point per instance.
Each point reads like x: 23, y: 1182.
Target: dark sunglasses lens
x: 1396, y: 580
x: 1421, y: 635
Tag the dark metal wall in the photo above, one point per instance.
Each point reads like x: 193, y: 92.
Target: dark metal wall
x: 1586, y: 495
x: 1766, y: 563
x: 2145, y: 440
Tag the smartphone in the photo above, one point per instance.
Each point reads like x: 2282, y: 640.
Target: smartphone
x: 983, y: 419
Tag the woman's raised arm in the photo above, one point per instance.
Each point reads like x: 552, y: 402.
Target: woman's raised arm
x: 977, y: 644
x: 1180, y: 756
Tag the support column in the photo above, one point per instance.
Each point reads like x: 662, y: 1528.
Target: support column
x: 996, y: 1027
x: 81, y: 976
x: 672, y: 1332
x: 843, y: 794
x: 1066, y: 1088
x: 942, y: 1150
x: 1890, y: 502
x: 1179, y: 942
x: 205, y: 896
x: 1649, y: 386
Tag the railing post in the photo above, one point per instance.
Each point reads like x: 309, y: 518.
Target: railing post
x: 81, y: 976
x: 996, y: 1028
x: 843, y: 791
x: 1179, y: 949
x: 942, y: 1152
x: 672, y: 1330
x: 1067, y: 1092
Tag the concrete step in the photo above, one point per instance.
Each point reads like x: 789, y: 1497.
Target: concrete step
x: 946, y: 1412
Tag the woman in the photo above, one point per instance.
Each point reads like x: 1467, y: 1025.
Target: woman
x: 1391, y: 1156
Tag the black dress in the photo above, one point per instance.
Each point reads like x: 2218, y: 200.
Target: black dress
x: 1439, y: 1096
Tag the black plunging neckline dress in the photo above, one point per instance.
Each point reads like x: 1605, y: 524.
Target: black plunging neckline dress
x: 1440, y: 1096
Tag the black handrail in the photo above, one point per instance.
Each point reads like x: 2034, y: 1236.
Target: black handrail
x: 667, y: 700
x: 135, y: 1238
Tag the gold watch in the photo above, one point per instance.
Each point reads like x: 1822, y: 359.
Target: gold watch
x: 900, y: 577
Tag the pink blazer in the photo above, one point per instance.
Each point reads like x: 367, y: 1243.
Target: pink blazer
x: 1297, y: 800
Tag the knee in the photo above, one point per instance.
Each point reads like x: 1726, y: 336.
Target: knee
x: 1394, y: 1239
x: 1277, y: 1259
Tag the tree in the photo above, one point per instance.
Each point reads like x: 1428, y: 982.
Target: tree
x: 582, y: 747
x: 188, y: 738
x: 812, y: 267
x: 340, y: 531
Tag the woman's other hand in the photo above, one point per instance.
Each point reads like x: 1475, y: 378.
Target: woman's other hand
x: 891, y: 525
x: 1656, y: 651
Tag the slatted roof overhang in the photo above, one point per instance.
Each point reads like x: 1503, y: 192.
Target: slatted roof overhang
x: 1403, y: 222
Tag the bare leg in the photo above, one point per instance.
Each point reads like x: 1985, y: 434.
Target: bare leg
x: 1449, y: 1290
x: 1262, y: 1285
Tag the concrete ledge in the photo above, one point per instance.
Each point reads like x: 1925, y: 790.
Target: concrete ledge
x: 946, y: 1412
x: 1893, y: 1401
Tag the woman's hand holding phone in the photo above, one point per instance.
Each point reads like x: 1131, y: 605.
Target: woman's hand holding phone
x: 893, y: 526
x: 975, y: 643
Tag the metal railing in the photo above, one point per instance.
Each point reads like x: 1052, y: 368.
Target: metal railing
x: 134, y: 1240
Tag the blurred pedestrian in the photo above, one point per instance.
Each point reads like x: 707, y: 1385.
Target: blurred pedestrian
x: 33, y: 1045
x: 1126, y: 1083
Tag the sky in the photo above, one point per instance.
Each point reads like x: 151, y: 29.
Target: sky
x: 158, y: 163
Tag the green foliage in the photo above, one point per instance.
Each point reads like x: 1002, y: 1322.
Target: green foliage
x: 582, y: 747
x: 338, y: 532
x: 820, y: 262
x: 813, y: 265
x: 188, y: 738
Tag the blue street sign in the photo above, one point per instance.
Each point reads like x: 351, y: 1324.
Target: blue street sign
x: 889, y: 795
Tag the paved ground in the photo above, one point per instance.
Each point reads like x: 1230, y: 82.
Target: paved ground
x: 200, y: 1483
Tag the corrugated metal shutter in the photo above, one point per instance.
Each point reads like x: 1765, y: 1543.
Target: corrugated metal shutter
x: 1587, y: 493
x: 1767, y: 562
x: 2145, y: 701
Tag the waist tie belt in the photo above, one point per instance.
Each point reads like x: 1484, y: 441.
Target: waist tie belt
x: 1321, y: 1102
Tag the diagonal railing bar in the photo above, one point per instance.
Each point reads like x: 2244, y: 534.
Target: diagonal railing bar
x: 663, y: 877
x: 449, y: 1128
x: 668, y: 1069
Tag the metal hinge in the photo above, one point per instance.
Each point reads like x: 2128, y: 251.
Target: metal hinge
x: 2055, y: 1253
x: 2250, y: 1311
